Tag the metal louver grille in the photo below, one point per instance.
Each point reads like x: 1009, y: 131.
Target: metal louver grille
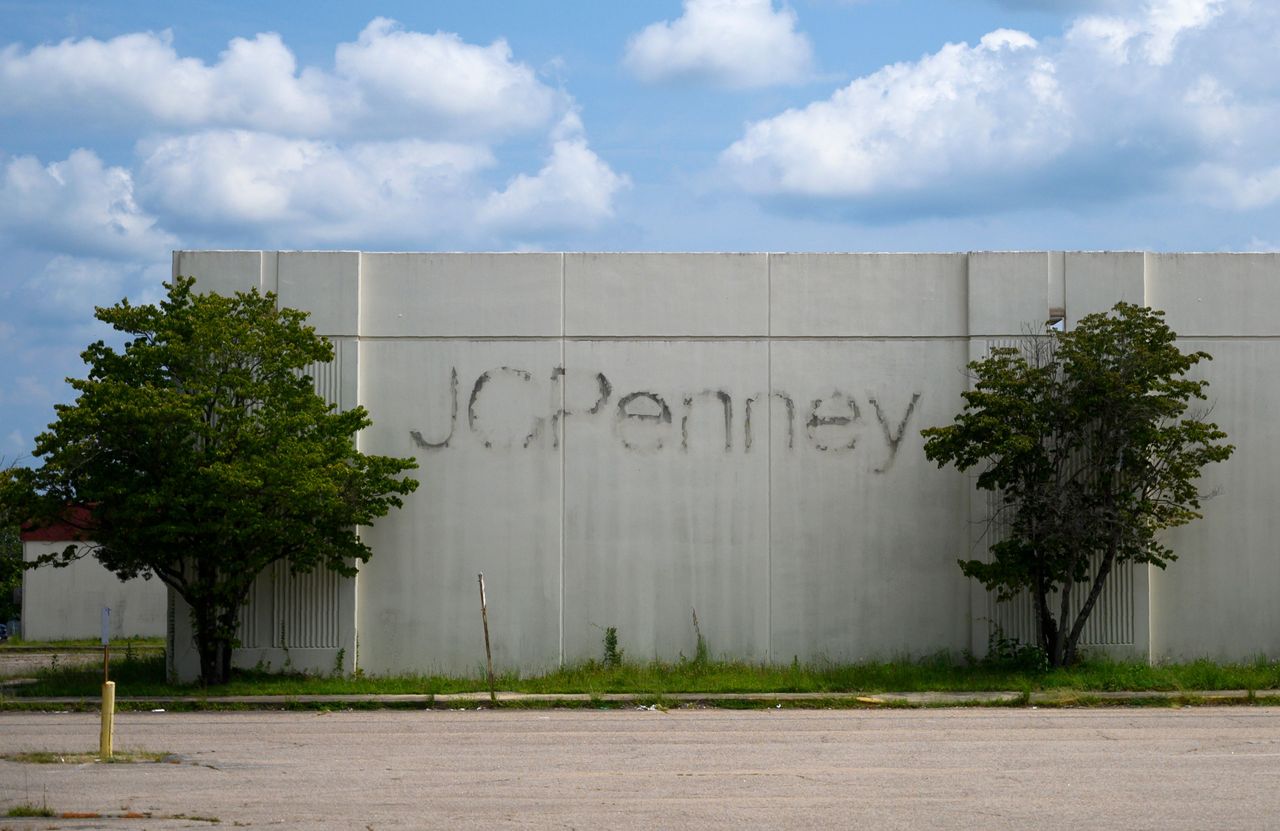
x: 247, y: 632
x: 306, y: 607
x: 1111, y: 622
x: 303, y: 609
x: 328, y: 376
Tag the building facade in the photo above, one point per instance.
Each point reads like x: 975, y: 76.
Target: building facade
x: 625, y: 440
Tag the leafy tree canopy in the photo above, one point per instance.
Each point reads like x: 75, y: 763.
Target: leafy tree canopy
x: 206, y: 455
x: 1086, y: 438
x: 10, y: 571
x: 10, y: 552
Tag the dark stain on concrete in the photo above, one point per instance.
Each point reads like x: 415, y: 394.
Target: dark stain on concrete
x: 816, y: 421
x: 606, y: 390
x: 485, y: 378
x: 663, y: 416
x: 893, y: 437
x: 453, y: 418
x: 726, y: 403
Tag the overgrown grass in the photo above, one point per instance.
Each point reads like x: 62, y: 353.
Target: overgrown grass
x: 118, y: 646
x: 144, y: 676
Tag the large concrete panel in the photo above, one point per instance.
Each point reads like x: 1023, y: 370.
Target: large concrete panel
x: 666, y: 294
x: 865, y: 532
x: 885, y: 295
x: 324, y: 283
x: 666, y: 497
x: 1008, y: 293
x: 481, y: 418
x: 222, y: 272
x: 1097, y: 280
x: 476, y: 295
x: 1216, y: 294
x: 1220, y: 598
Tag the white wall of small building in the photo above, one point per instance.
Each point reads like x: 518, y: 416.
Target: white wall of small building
x: 67, y: 603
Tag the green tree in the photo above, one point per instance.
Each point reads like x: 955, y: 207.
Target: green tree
x: 206, y: 455
x: 1086, y: 439
x: 10, y: 555
x: 10, y: 571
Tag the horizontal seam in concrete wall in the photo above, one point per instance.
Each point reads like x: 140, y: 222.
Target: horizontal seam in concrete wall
x: 1228, y: 337
x: 664, y: 338
x: 735, y: 338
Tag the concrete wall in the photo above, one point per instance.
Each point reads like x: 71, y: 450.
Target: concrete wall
x: 622, y: 439
x: 63, y: 603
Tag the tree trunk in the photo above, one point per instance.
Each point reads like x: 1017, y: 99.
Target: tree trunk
x: 1047, y: 626
x: 206, y: 643
x: 212, y: 642
x: 1095, y: 591
x: 227, y: 631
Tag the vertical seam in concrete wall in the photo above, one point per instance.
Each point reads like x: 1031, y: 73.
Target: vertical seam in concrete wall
x: 564, y: 441
x: 1143, y: 630
x: 768, y: 398
x: 359, y: 315
x: 355, y: 580
x: 965, y: 481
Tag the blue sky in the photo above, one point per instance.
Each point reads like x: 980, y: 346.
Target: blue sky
x: 130, y: 129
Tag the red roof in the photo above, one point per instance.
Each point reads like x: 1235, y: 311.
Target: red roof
x: 75, y: 526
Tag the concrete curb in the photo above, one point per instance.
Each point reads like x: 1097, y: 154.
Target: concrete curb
x: 1049, y: 698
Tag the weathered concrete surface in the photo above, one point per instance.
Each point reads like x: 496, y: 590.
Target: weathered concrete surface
x: 621, y: 439
x: 695, y: 769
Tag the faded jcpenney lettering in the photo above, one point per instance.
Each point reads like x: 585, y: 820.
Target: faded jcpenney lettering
x: 648, y: 421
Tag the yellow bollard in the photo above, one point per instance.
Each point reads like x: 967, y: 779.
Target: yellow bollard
x: 108, y: 719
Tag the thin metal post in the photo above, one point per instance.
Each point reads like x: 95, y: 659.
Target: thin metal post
x: 488, y: 653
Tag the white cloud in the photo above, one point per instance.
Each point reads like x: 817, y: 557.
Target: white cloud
x: 1233, y: 188
x: 1171, y: 98
x: 574, y: 189
x: 441, y: 80
x: 311, y: 191
x: 906, y: 125
x: 389, y: 82
x: 77, y: 205
x: 140, y: 75
x: 732, y: 43
x: 370, y: 193
x: 77, y: 284
x: 1065, y: 5
x: 393, y: 147
x: 1150, y: 37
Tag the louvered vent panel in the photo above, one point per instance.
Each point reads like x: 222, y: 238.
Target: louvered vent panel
x: 247, y: 631
x: 328, y: 377
x: 1110, y: 623
x: 306, y: 608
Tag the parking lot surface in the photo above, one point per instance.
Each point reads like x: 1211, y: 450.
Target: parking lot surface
x: 697, y: 769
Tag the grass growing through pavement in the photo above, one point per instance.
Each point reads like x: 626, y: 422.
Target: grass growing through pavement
x: 50, y: 757
x: 144, y: 676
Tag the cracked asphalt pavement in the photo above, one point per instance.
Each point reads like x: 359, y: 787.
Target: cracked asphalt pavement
x: 1196, y: 767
